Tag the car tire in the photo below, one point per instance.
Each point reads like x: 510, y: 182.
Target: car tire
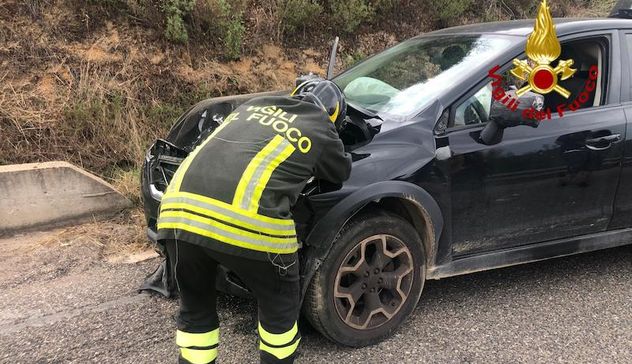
x: 370, y: 282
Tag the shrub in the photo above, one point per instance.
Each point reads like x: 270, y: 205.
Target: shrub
x: 222, y: 19
x: 348, y: 15
x: 294, y: 14
x: 233, y: 30
x: 175, y: 30
x: 449, y: 11
x: 175, y: 11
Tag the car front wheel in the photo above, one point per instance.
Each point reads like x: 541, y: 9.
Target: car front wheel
x: 370, y: 282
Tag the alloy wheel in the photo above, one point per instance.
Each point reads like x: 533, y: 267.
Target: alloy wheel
x: 373, y: 282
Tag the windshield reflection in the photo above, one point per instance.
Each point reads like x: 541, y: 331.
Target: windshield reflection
x: 402, y: 80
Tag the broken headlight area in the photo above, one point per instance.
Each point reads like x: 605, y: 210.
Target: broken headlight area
x: 164, y: 160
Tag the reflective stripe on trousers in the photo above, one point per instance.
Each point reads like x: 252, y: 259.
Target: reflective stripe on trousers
x: 198, y: 348
x: 282, y: 345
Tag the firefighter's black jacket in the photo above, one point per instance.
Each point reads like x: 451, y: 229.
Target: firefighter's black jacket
x: 237, y: 187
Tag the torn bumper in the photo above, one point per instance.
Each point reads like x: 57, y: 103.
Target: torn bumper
x: 162, y: 281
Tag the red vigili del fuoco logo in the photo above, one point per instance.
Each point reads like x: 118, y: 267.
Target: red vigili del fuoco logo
x: 539, y: 76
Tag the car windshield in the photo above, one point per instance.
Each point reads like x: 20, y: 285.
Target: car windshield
x: 404, y: 79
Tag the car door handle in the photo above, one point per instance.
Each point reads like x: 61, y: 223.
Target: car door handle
x: 593, y: 143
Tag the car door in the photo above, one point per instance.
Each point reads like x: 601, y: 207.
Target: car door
x: 623, y: 203
x: 538, y: 184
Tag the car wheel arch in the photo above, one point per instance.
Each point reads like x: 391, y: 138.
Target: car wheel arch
x: 404, y: 199
x: 415, y: 214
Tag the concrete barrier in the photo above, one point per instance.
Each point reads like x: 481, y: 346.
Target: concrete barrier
x: 39, y: 195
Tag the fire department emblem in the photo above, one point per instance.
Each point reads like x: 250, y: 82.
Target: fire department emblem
x: 543, y: 47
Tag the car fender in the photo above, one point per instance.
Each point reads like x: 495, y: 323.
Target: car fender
x: 321, y: 238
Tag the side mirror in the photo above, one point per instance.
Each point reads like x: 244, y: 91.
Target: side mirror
x: 502, y: 116
x: 491, y: 134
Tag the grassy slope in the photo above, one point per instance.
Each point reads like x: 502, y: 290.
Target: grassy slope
x: 94, y: 85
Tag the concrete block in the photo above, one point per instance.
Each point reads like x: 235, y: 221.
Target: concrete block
x: 39, y: 195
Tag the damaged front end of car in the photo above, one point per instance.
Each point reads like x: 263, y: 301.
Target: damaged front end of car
x: 165, y: 156
x: 161, y: 162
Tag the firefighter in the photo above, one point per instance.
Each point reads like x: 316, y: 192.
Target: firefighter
x: 229, y: 204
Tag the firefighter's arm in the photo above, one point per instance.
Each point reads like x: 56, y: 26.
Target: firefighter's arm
x: 333, y: 165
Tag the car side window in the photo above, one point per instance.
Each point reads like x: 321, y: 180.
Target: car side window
x: 476, y: 109
x: 585, y: 53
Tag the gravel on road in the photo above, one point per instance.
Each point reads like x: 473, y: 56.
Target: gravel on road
x: 64, y: 302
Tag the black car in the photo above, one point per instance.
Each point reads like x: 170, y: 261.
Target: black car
x: 443, y: 182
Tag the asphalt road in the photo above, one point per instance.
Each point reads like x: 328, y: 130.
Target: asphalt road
x: 63, y: 302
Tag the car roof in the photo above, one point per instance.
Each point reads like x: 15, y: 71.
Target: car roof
x: 523, y: 28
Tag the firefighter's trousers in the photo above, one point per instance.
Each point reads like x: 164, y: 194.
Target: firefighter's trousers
x: 276, y: 291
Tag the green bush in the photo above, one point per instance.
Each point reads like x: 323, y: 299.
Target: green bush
x: 295, y: 14
x: 175, y: 11
x: 175, y: 30
x: 230, y: 26
x: 222, y: 19
x: 449, y: 11
x: 348, y: 15
x: 233, y: 30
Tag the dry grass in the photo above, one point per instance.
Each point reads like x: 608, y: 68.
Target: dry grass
x: 95, y: 86
x: 121, y: 236
x: 99, y: 102
x: 127, y: 182
x: 92, y: 120
x: 597, y: 8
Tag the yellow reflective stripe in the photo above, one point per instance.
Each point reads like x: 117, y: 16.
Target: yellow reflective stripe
x: 255, y: 179
x: 246, y: 177
x: 176, y: 181
x: 282, y: 249
x: 280, y: 353
x: 188, y: 339
x: 278, y: 339
x: 265, y: 177
x: 335, y: 115
x: 216, y: 225
x: 224, y: 205
x: 224, y: 218
x: 198, y: 356
x: 179, y: 175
